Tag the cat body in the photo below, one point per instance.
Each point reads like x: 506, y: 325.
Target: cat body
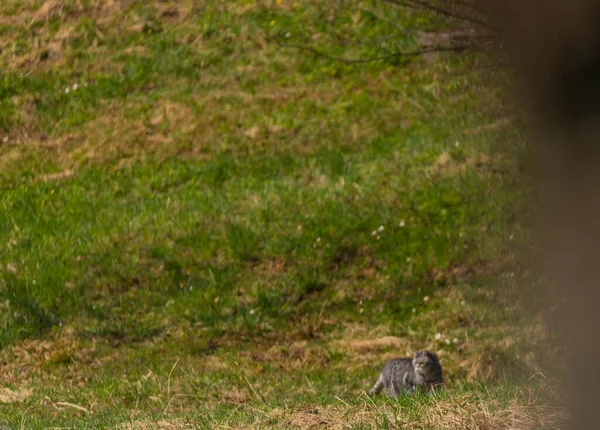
x: 407, y: 375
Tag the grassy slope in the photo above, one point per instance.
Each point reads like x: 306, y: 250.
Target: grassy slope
x: 214, y: 230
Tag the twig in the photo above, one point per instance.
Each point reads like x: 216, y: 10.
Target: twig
x: 538, y: 374
x: 420, y: 4
x: 461, y: 17
x: 337, y: 398
x: 169, y: 378
x: 72, y: 405
x: 169, y: 398
x: 23, y: 417
x: 364, y: 394
x: 260, y: 396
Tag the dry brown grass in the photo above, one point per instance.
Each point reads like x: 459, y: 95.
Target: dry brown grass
x: 460, y: 414
x: 22, y: 361
x: 465, y: 413
x: 9, y: 396
x: 155, y: 425
x: 446, y: 165
x: 46, y: 50
x: 376, y: 344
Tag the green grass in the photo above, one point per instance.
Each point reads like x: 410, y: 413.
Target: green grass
x: 204, y: 231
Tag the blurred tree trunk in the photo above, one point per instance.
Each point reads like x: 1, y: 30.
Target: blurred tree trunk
x: 555, y: 46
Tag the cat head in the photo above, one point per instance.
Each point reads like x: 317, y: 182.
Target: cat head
x: 425, y: 363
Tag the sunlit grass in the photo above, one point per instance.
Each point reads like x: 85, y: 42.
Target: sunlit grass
x: 198, y: 224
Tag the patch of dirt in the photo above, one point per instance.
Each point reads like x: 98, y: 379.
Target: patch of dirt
x: 140, y: 51
x: 21, y: 360
x: 27, y: 13
x: 493, y: 126
x: 45, y: 49
x: 49, y: 8
x: 291, y: 356
x: 213, y: 363
x: 368, y: 345
x: 459, y: 273
x: 448, y: 165
x: 176, y: 116
x: 308, y: 419
x: 235, y: 396
x: 174, y: 12
x: 8, y: 396
x: 53, y: 177
x: 116, y: 136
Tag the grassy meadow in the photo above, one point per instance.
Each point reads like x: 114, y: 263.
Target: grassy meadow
x: 201, y: 227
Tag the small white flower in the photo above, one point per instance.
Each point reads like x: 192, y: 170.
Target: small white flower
x: 447, y: 341
x: 414, y: 310
x: 402, y: 223
x: 437, y: 336
x: 191, y: 287
x: 374, y: 233
x: 426, y: 299
x: 5, y: 139
x: 252, y: 311
x: 67, y: 90
x: 318, y: 239
x: 462, y: 302
x: 33, y: 282
x: 75, y: 87
x: 408, y: 259
x: 381, y: 228
x: 457, y: 144
x: 456, y: 341
x: 511, y: 237
x: 378, y: 237
x: 361, y: 311
x: 360, y: 302
x: 287, y: 35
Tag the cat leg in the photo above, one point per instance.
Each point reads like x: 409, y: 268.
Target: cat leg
x: 378, y: 386
x: 408, y: 384
x: 393, y: 389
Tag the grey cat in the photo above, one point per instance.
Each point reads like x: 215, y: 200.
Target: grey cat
x: 422, y: 372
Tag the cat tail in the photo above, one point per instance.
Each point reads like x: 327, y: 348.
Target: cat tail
x: 378, y: 386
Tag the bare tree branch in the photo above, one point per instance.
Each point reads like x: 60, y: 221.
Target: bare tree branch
x: 425, y: 5
x: 470, y: 32
x: 417, y: 53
